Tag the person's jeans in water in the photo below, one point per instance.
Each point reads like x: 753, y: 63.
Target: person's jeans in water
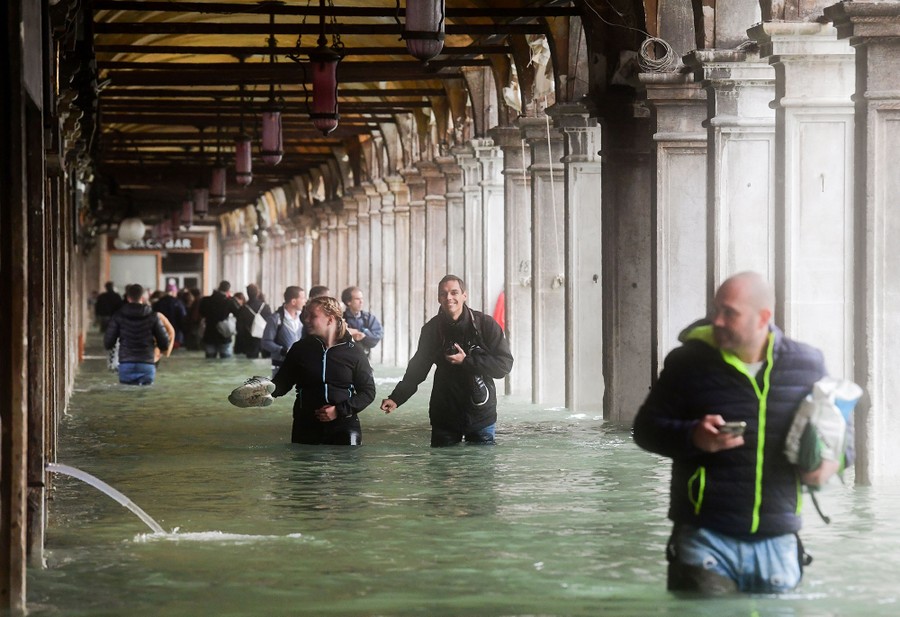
x: 441, y: 436
x: 707, y: 562
x: 340, y: 432
x: 136, y: 373
x: 222, y: 349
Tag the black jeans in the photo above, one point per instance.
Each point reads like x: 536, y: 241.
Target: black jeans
x: 341, y: 432
x: 441, y: 437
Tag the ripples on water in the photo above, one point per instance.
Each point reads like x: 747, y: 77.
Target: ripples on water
x: 565, y: 517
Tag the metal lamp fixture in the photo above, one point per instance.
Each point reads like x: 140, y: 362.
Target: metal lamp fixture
x: 200, y: 194
x: 131, y: 230
x: 271, y: 118
x: 218, y: 175
x: 424, y: 28
x: 243, y: 155
x: 324, y: 61
x: 187, y: 212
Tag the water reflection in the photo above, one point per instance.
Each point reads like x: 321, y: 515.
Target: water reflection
x: 565, y: 516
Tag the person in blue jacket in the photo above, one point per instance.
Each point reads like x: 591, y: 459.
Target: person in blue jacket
x: 332, y: 376
x: 733, y: 495
x: 363, y: 326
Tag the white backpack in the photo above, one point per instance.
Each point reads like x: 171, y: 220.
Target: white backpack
x: 259, y: 322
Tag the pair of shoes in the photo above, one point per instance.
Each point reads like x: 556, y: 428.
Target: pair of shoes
x: 256, y: 392
x: 480, y: 392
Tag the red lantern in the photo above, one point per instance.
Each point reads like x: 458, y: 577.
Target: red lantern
x: 201, y: 201
x: 217, y: 185
x: 243, y: 160
x: 324, y: 61
x: 424, y: 28
x: 271, y: 134
x: 187, y: 213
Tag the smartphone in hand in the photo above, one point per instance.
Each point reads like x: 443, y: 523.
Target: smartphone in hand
x: 735, y: 429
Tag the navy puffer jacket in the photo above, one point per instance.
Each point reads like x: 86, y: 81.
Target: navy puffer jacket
x: 138, y: 330
x: 750, y: 491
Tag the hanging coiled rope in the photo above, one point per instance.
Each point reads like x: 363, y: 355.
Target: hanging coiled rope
x: 652, y: 61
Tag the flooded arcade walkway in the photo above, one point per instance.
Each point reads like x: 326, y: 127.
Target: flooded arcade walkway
x: 566, y: 516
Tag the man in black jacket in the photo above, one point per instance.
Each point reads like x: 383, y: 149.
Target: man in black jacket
x: 721, y: 410
x: 107, y: 304
x: 215, y: 309
x: 138, y: 330
x: 470, y: 351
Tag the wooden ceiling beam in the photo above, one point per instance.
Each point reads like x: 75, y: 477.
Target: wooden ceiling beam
x: 197, y: 50
x: 194, y: 93
x: 311, y: 29
x: 235, y: 8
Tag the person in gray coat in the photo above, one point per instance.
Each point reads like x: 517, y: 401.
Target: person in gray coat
x: 284, y: 327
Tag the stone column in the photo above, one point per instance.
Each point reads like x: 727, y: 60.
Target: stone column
x: 628, y: 239
x: 323, y: 274
x: 351, y: 213
x: 435, y: 227
x: 334, y: 254
x: 490, y: 183
x: 814, y: 156
x: 400, y: 326
x: 418, y: 308
x: 548, y: 257
x: 373, y: 289
x: 342, y: 264
x: 679, y: 262
x: 456, y: 214
x: 741, y: 146
x: 362, y: 228
x: 388, y: 315
x: 874, y: 30
x: 517, y: 256
x: 308, y: 242
x: 583, y: 233
x: 473, y: 227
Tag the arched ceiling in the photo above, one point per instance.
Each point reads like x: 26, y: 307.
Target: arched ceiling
x: 170, y: 76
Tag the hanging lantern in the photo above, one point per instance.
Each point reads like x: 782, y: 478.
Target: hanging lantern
x: 165, y: 230
x: 217, y: 184
x: 187, y: 213
x: 271, y: 134
x: 424, y: 28
x: 324, y: 61
x: 176, y: 219
x: 243, y: 160
x: 201, y: 201
x: 131, y: 230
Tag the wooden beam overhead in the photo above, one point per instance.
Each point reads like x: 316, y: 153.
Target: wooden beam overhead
x: 201, y: 50
x: 266, y: 29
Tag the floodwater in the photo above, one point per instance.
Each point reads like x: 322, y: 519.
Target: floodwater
x: 566, y: 516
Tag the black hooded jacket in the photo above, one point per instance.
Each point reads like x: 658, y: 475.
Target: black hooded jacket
x: 487, y: 356
x: 339, y: 376
x: 138, y: 330
x: 750, y: 491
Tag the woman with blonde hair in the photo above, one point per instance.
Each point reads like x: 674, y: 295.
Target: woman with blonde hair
x: 333, y: 379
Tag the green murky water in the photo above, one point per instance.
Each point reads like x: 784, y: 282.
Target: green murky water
x: 564, y: 517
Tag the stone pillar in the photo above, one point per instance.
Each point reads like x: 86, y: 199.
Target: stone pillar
x: 388, y: 315
x: 342, y: 265
x: 679, y: 263
x: 814, y: 156
x: 583, y: 247
x: 382, y: 271
x: 874, y: 30
x: 334, y: 254
x: 473, y: 211
x: 418, y: 307
x: 741, y: 145
x: 456, y: 214
x: 351, y: 214
x: 373, y: 290
x: 490, y: 183
x: 548, y: 257
x: 435, y: 227
x: 517, y: 255
x: 627, y: 265
x: 308, y: 243
x: 323, y: 274
x: 400, y: 325
x: 362, y: 228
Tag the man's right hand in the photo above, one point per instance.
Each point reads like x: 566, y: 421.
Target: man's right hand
x: 388, y: 405
x: 709, y: 438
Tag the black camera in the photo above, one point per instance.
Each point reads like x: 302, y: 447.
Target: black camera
x: 451, y: 349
